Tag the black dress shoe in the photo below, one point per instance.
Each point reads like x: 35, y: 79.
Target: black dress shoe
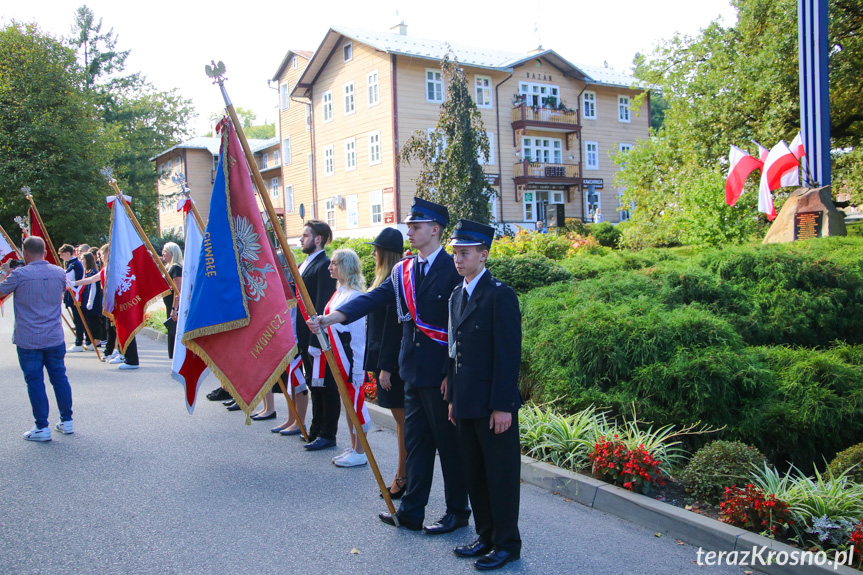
x: 228, y: 402
x: 446, y: 524
x: 406, y: 523
x: 320, y: 443
x: 257, y: 417
x: 234, y: 407
x: 219, y: 394
x: 495, y: 560
x: 475, y: 549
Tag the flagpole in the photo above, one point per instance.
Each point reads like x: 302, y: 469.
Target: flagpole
x: 48, y: 241
x: 217, y: 73
x: 113, y: 183
x: 11, y: 243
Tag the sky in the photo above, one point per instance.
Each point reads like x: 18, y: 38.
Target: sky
x: 170, y: 42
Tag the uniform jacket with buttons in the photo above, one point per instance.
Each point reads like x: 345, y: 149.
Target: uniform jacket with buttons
x: 483, y: 376
x: 422, y: 361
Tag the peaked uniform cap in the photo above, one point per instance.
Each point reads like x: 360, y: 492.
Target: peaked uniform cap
x: 426, y: 211
x: 469, y: 233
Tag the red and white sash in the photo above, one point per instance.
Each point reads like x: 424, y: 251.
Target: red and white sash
x: 405, y: 271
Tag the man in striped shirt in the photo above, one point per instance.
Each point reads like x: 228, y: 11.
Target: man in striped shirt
x: 38, y: 289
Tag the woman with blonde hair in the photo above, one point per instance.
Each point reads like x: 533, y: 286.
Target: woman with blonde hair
x: 383, y: 341
x: 172, y: 257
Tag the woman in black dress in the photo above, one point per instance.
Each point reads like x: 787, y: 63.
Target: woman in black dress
x: 172, y: 257
x: 383, y: 340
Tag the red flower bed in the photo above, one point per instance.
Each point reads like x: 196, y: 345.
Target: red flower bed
x: 633, y: 469
x: 750, y: 508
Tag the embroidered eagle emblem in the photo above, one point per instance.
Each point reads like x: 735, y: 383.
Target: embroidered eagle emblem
x: 249, y: 248
x: 125, y: 280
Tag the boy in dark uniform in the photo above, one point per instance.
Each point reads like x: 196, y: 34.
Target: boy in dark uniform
x: 483, y: 395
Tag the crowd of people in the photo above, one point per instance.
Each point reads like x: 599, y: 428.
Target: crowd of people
x: 440, y: 335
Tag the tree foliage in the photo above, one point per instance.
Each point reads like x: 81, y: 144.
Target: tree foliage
x: 51, y: 137
x: 451, y: 173
x: 730, y: 85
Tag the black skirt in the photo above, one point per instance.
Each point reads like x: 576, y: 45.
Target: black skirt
x: 395, y: 397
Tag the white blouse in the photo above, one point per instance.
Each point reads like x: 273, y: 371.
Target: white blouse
x: 357, y: 329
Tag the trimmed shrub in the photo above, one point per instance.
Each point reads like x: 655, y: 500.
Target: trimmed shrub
x: 606, y: 234
x: 525, y: 273
x: 718, y: 465
x: 846, y: 460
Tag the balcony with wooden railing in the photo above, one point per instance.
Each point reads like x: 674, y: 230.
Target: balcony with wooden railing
x: 526, y: 172
x: 550, y: 119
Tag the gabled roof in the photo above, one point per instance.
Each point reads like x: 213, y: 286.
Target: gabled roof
x: 434, y: 50
x: 213, y: 144
x: 262, y: 144
x: 286, y: 60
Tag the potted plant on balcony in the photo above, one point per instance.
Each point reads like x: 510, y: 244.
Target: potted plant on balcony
x: 549, y: 102
x: 518, y: 99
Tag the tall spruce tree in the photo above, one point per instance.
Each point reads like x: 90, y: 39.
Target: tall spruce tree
x: 450, y: 156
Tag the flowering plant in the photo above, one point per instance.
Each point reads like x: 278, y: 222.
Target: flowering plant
x: 634, y: 469
x: 370, y: 386
x: 750, y: 508
x: 857, y: 540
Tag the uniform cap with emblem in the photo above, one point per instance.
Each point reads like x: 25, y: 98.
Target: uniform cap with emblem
x: 426, y: 211
x: 468, y: 233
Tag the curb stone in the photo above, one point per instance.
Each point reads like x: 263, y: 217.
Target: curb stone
x: 692, y: 528
x: 153, y: 334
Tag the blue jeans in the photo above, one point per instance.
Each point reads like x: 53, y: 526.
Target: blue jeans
x: 32, y: 362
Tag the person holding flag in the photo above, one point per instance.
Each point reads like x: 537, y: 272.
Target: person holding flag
x: 74, y: 273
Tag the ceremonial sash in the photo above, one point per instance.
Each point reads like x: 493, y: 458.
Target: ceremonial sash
x: 296, y: 379
x: 404, y: 273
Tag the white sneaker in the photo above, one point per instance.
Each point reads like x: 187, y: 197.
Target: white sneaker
x: 108, y: 358
x: 86, y: 347
x: 75, y: 348
x: 117, y: 359
x: 64, y: 427
x: 343, y: 454
x: 353, y: 459
x: 37, y: 434
x: 127, y: 366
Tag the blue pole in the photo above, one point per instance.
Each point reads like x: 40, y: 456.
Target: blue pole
x: 814, y: 89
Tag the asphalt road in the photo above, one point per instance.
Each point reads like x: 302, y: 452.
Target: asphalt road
x: 144, y: 487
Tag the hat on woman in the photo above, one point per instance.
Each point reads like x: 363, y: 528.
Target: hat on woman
x: 390, y: 239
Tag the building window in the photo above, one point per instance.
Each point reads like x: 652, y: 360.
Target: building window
x: 308, y: 117
x: 329, y: 161
x: 350, y: 154
x: 285, y: 95
x: 294, y: 62
x: 588, y: 105
x: 536, y: 200
x: 275, y: 157
x: 483, y: 91
x: 434, y: 86
x: 349, y: 99
x: 353, y: 211
x: 540, y: 95
x: 162, y: 170
x: 591, y: 156
x: 490, y: 161
x: 311, y: 171
x: 275, y: 187
x: 330, y: 208
x: 178, y: 163
x: 542, y: 150
x: 286, y: 150
x: 289, y: 199
x: 623, y: 108
x: 373, y: 88
x: 170, y: 166
x: 376, y: 207
x: 492, y: 208
x: 375, y: 148
x: 348, y: 51
x: 180, y: 231
x: 592, y: 202
x: 327, y: 100
x: 265, y: 160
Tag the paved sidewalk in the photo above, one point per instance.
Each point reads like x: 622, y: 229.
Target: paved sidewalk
x: 143, y: 487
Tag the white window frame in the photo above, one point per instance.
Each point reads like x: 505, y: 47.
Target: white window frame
x: 285, y: 95
x: 544, y: 150
x: 436, y: 81
x: 588, y: 103
x: 286, y: 150
x: 276, y: 158
x: 532, y: 204
x: 352, y: 209
x: 310, y: 163
x: 375, y: 148
x: 588, y: 212
x: 623, y: 111
x: 275, y: 186
x: 327, y: 105
x: 289, y: 199
x: 170, y: 166
x: 265, y: 160
x: 329, y: 161
x: 534, y: 93
x: 350, y: 154
x: 492, y: 208
x: 376, y: 200
x: 348, y: 52
x: 591, y: 155
x: 350, y: 98
x: 294, y: 62
x: 373, y: 91
x: 484, y: 90
x: 330, y: 213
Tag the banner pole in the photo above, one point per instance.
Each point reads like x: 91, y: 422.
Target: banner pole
x: 57, y: 259
x: 217, y: 73
x: 11, y: 243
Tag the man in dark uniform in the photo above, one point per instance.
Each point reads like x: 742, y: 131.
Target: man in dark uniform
x: 485, y: 355
x: 421, y: 285
x: 316, y: 275
x: 75, y: 272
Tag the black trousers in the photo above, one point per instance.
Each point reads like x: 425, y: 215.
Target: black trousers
x: 112, y: 338
x: 131, y: 355
x: 492, y: 468
x: 326, y: 403
x: 427, y: 431
x: 80, y: 332
x: 172, y: 335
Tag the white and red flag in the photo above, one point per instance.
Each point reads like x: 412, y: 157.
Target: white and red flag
x: 762, y: 152
x: 780, y: 161
x: 741, y: 164
x: 134, y: 279
x: 7, y: 250
x: 188, y: 368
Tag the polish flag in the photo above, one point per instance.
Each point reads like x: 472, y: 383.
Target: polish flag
x: 741, y: 165
x: 188, y: 368
x: 797, y: 147
x: 134, y: 279
x: 762, y: 152
x: 7, y: 252
x: 780, y: 161
x: 36, y: 230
